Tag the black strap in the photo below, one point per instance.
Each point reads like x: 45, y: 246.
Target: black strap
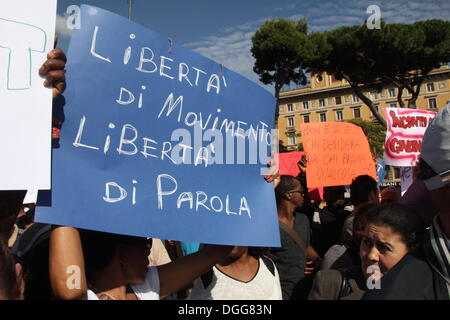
x: 346, y: 289
x: 269, y: 264
x: 294, y: 235
x: 30, y: 239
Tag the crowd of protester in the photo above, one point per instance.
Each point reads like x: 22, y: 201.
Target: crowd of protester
x: 368, y: 245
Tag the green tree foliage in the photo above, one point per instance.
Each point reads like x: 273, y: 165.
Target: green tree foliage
x: 396, y: 55
x: 277, y: 48
x: 412, y: 51
x: 399, y: 55
x: 375, y: 134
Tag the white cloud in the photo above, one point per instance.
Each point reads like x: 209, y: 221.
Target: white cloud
x: 231, y: 49
x: 231, y: 46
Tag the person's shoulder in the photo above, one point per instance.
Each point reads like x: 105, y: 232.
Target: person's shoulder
x: 288, y: 254
x: 329, y: 275
x: 326, y: 285
x: 413, y: 263
x: 339, y: 247
x: 301, y: 217
x: 287, y: 242
x: 267, y: 264
x: 149, y: 289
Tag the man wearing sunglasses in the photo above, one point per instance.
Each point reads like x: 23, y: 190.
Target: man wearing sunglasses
x: 290, y: 258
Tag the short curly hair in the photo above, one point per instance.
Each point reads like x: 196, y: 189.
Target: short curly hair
x: 287, y: 183
x: 401, y: 220
x: 361, y: 187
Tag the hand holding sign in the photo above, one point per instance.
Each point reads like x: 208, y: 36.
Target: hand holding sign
x: 303, y: 163
x: 54, y: 70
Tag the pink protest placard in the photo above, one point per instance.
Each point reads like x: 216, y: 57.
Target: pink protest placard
x: 405, y: 129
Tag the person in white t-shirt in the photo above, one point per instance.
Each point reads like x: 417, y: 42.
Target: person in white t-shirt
x: 103, y: 266
x: 245, y: 274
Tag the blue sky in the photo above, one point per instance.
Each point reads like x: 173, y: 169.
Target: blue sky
x: 222, y: 30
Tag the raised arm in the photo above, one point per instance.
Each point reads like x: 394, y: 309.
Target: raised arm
x: 178, y: 274
x: 66, y: 265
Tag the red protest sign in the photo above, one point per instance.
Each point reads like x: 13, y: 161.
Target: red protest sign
x: 405, y: 129
x: 288, y: 165
x: 337, y: 152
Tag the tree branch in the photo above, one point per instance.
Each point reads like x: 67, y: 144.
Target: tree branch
x: 355, y: 87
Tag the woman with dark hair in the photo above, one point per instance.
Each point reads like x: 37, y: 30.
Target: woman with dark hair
x: 391, y: 232
x: 115, y: 267
x: 245, y: 274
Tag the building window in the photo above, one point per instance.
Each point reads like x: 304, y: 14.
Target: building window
x: 290, y: 108
x: 321, y: 102
x: 392, y: 105
x: 432, y: 103
x: 291, y: 140
x: 391, y: 92
x: 338, y: 100
x: 323, y: 117
x: 290, y: 122
x: 339, y: 115
x: 305, y: 105
x: 397, y: 173
x: 356, y: 113
x: 355, y: 98
x: 306, y: 119
x: 430, y: 87
x: 373, y: 95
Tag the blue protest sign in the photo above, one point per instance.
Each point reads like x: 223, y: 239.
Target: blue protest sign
x: 159, y: 141
x: 381, y: 171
